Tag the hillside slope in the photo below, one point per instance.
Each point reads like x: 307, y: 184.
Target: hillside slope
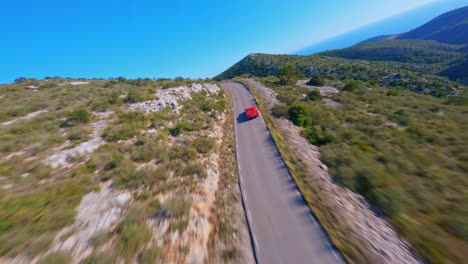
x: 450, y: 28
x: 442, y: 41
x: 420, y: 78
x: 414, y: 51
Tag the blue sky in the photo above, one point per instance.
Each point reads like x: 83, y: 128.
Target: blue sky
x: 152, y: 38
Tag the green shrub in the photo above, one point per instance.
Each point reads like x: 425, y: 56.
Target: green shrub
x: 195, y: 168
x: 203, y: 144
x: 116, y: 160
x: 352, y: 86
x: 182, y: 152
x: 394, y: 91
x: 176, y: 207
x: 132, y: 238
x: 180, y: 225
x: 100, y: 258
x: 37, y: 213
x: 300, y: 115
x: 313, y: 95
x: 81, y: 116
x: 134, y: 95
x: 288, y: 74
x: 280, y: 110
x: 319, y: 136
x: 119, y: 132
x: 57, y: 257
x: 78, y: 134
x: 151, y: 255
x: 148, y: 148
x: 40, y: 245
x: 317, y: 80
x: 179, y: 128
x: 99, y: 238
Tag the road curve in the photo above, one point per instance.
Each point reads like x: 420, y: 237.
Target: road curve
x: 282, y: 227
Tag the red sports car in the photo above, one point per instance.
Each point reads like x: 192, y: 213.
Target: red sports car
x: 252, y: 112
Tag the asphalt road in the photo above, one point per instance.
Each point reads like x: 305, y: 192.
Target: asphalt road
x: 282, y: 226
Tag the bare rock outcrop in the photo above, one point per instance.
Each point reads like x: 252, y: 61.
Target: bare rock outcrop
x: 98, y: 211
x: 170, y: 97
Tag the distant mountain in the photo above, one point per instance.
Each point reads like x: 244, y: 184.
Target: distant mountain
x: 411, y: 51
x: 451, y: 28
x: 387, y: 27
x: 442, y: 41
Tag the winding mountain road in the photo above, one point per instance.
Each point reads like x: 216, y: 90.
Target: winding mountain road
x: 282, y: 227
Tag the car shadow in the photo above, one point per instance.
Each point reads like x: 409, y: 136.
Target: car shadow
x: 242, y: 118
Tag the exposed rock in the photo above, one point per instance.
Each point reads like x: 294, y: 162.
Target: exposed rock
x: 324, y: 90
x: 169, y: 97
x: 75, y: 83
x: 28, y: 116
x: 98, y: 211
x: 63, y: 156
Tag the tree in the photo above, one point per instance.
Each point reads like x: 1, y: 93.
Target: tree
x: 288, y: 74
x: 317, y: 80
x: 21, y: 80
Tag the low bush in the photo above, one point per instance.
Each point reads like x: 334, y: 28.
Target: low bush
x: 176, y: 207
x: 78, y: 134
x: 100, y: 258
x: 352, y: 86
x: 300, y: 115
x: 132, y: 238
x: 203, y: 144
x: 33, y: 214
x: 313, y: 95
x: 57, y: 257
x: 317, y: 80
x: 135, y: 95
x: 182, y: 152
x: 80, y: 116
x: 280, y: 110
x: 149, y: 148
x: 195, y: 168
x: 151, y: 255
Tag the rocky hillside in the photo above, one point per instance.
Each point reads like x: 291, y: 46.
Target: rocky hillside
x: 99, y: 171
x: 420, y: 78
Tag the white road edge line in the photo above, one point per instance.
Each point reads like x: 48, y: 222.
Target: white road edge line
x: 314, y: 220
x: 333, y: 251
x: 298, y: 193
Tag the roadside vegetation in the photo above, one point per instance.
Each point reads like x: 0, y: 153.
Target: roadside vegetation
x: 404, y: 152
